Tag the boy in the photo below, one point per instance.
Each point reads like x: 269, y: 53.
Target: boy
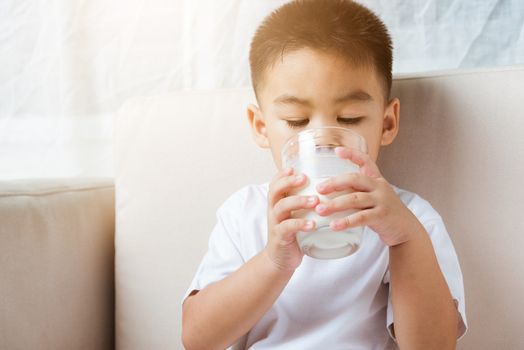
x: 325, y: 63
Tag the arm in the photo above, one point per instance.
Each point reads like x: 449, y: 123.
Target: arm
x: 218, y: 315
x: 425, y: 315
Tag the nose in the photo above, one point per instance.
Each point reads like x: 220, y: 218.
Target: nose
x: 322, y: 135
x: 322, y: 121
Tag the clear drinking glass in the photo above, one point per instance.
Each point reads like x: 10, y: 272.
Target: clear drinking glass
x: 312, y: 152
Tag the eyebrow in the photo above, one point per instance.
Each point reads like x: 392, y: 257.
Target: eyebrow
x: 357, y: 96
x: 286, y: 99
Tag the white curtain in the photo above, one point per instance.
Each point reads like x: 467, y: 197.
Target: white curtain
x: 67, y: 65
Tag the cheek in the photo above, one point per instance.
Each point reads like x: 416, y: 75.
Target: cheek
x: 276, y: 139
x: 373, y: 136
x: 278, y: 133
x: 373, y: 152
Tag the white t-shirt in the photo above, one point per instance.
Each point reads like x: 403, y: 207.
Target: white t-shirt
x: 327, y: 304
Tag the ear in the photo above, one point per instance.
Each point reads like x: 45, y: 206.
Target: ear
x: 258, y: 125
x: 390, y: 122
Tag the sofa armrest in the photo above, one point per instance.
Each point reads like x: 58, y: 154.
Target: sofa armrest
x: 57, y: 264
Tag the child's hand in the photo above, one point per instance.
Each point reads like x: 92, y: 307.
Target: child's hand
x: 379, y: 206
x: 282, y: 247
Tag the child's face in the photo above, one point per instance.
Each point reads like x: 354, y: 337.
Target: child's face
x: 313, y: 89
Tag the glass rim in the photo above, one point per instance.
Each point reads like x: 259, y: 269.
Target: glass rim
x: 308, y: 131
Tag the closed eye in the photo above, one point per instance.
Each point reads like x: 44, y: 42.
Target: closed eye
x: 297, y: 123
x: 349, y: 120
x: 303, y: 122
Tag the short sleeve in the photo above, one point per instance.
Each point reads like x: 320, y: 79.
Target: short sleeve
x: 223, y: 255
x: 449, y: 265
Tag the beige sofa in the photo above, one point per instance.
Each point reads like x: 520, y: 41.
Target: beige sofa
x: 57, y: 264
x: 177, y: 157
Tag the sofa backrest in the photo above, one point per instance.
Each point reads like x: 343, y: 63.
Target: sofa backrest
x: 179, y: 156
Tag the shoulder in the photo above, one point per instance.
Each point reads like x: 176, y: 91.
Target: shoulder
x: 244, y: 216
x: 429, y: 218
x: 252, y: 197
x: 419, y: 206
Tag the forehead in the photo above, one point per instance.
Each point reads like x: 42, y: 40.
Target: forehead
x: 317, y: 76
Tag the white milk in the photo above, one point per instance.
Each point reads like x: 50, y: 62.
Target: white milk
x: 324, y: 243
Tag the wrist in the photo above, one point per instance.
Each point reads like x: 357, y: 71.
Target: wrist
x: 410, y: 231
x: 280, y: 270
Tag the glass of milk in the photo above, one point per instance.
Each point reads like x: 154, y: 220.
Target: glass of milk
x: 312, y: 152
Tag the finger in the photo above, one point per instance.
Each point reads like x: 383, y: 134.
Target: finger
x: 282, y: 209
x: 355, y: 200
x: 287, y: 229
x: 342, y: 182
x: 282, y: 172
x: 360, y: 218
x: 279, y: 175
x: 363, y: 160
x: 282, y: 186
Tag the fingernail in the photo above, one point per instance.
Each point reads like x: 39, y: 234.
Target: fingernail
x: 336, y: 224
x: 321, y: 187
x: 321, y: 207
x: 299, y: 178
x: 311, y: 200
x: 308, y: 225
